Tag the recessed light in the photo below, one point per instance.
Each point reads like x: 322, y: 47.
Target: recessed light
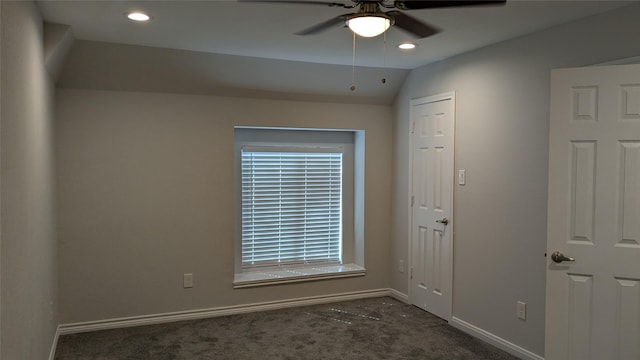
x: 407, y: 46
x: 138, y: 16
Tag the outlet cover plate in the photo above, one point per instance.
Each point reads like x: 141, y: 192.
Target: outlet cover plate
x: 187, y: 281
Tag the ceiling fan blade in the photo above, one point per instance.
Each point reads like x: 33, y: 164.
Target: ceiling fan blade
x: 434, y: 4
x: 324, y: 25
x: 412, y: 25
x: 301, y: 2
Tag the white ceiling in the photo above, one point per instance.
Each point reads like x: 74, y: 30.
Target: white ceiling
x: 267, y: 30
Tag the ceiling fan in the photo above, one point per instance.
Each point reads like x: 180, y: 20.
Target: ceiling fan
x: 370, y: 20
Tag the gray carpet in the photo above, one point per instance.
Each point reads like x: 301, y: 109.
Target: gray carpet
x: 378, y: 328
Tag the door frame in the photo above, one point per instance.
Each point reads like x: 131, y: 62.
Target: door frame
x: 450, y: 95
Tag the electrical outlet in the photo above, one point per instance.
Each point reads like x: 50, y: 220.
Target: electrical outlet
x: 401, y: 266
x: 522, y: 310
x: 187, y: 281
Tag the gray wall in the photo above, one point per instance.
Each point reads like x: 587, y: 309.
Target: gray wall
x: 29, y: 268
x: 107, y: 66
x: 146, y: 193
x: 502, y: 111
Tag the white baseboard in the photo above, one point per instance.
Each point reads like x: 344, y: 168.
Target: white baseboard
x: 220, y: 311
x: 399, y: 296
x: 273, y: 305
x: 52, y: 353
x: 494, y: 340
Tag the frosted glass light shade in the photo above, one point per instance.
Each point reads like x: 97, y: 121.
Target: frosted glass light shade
x: 369, y: 26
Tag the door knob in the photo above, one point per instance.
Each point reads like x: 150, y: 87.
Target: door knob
x: 559, y: 257
x: 444, y: 221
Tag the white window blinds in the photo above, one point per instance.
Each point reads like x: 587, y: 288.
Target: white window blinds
x: 291, y: 206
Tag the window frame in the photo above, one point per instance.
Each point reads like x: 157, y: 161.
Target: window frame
x: 351, y: 143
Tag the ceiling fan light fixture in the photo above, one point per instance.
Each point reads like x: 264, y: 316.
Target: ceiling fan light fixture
x: 369, y: 25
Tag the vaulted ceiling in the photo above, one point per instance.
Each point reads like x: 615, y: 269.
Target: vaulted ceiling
x: 266, y: 31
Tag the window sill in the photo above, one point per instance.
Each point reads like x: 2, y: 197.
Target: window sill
x: 295, y: 274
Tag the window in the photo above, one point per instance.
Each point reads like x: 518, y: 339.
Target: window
x: 291, y: 206
x: 297, y: 192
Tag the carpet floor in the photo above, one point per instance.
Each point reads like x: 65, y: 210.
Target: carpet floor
x: 377, y: 328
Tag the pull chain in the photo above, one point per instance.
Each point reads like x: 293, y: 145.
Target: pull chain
x: 353, y: 62
x: 384, y: 77
x: 353, y: 65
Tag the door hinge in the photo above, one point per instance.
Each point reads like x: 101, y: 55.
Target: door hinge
x: 411, y: 273
x: 413, y: 127
x: 412, y: 199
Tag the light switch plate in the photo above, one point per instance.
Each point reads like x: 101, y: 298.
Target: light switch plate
x: 462, y: 177
x: 522, y: 310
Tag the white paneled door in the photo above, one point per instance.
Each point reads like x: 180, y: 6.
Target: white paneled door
x: 432, y: 131
x: 593, y: 244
